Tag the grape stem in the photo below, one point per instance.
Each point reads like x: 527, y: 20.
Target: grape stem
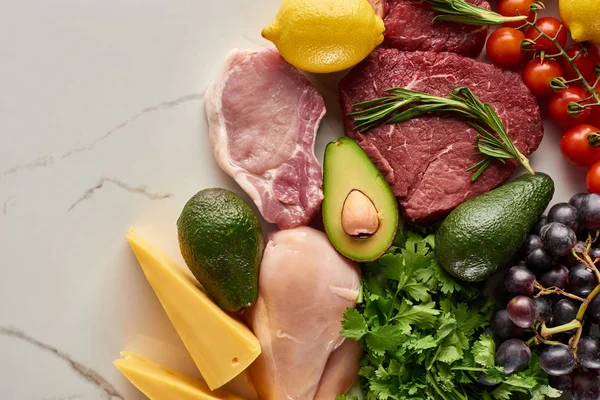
x: 580, y: 314
x: 571, y: 60
x: 546, y: 332
x: 591, y: 265
x: 586, y: 303
x: 555, y: 290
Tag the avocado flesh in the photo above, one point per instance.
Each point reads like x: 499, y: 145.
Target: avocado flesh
x: 482, y: 235
x: 346, y: 168
x: 221, y: 241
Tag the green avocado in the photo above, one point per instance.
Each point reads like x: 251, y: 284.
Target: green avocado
x: 221, y: 241
x: 360, y: 212
x: 482, y: 235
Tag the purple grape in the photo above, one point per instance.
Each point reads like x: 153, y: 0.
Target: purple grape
x: 582, y: 280
x: 513, y: 355
x: 589, y: 211
x: 585, y: 386
x: 539, y: 260
x: 519, y: 280
x: 538, y: 225
x: 558, y: 276
x: 521, y: 311
x: 566, y: 214
x: 558, y: 239
x: 588, y: 352
x: 503, y: 328
x: 561, y: 382
x: 593, y: 311
x: 577, y: 199
x: 531, y: 242
x: 564, y: 311
x: 543, y: 310
x: 586, y: 327
x: 482, y: 378
x: 557, y: 360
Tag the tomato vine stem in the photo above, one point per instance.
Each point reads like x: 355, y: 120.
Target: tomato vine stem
x: 571, y: 60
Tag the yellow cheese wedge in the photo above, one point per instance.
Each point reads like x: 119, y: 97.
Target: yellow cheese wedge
x: 220, y: 345
x: 162, y: 383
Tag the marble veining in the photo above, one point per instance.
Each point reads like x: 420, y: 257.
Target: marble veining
x: 160, y: 106
x: 143, y: 190
x: 7, y: 204
x: 87, y: 373
x: 44, y: 161
x: 37, y: 163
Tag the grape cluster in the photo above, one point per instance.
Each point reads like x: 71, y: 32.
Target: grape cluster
x: 555, y: 305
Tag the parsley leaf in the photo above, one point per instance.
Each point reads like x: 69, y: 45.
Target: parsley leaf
x: 387, y: 337
x: 422, y: 332
x: 484, y: 351
x: 354, y: 324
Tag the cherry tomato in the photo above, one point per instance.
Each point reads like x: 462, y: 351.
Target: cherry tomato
x: 576, y: 147
x: 586, y: 62
x: 550, y: 26
x: 594, y: 117
x: 538, y: 74
x: 592, y: 179
x: 559, y: 102
x: 512, y: 8
x: 504, y: 47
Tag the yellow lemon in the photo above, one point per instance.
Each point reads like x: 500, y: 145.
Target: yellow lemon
x: 582, y: 17
x: 325, y: 35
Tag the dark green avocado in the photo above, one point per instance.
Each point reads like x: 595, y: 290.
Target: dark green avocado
x: 482, y: 235
x: 221, y: 241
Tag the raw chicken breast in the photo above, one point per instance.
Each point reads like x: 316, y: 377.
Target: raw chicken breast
x: 304, y: 288
x: 341, y: 371
x: 263, y: 116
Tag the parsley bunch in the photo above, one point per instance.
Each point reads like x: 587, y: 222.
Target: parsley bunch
x: 421, y: 331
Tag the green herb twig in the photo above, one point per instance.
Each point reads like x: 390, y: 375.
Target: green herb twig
x: 401, y: 105
x: 433, y: 346
x: 463, y: 12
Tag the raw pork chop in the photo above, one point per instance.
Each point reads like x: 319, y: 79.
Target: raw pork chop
x: 425, y: 159
x: 409, y: 26
x: 263, y: 116
x: 304, y: 288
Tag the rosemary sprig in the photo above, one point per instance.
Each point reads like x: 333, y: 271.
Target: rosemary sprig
x: 466, y: 13
x: 463, y: 12
x: 403, y: 104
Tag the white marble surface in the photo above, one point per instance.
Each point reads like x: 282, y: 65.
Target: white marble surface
x: 102, y: 127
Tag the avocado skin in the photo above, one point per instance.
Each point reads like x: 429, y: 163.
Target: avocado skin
x: 221, y: 241
x: 482, y: 235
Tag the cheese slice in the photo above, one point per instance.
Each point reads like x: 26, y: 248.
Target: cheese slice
x: 220, y: 345
x: 158, y: 382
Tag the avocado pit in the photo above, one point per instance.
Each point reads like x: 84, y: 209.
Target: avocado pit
x: 359, y: 215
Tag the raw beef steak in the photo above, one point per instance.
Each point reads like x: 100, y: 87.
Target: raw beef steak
x: 425, y: 159
x: 409, y: 26
x: 263, y: 116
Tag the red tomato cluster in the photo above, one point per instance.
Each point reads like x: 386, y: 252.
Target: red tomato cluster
x: 505, y: 47
x: 512, y: 8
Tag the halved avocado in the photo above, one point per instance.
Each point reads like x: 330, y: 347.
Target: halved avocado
x: 360, y: 212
